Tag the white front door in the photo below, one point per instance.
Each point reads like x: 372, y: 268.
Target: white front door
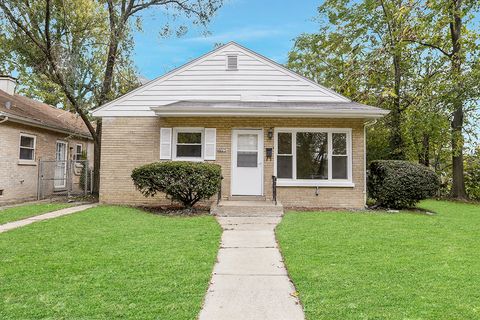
x: 60, y: 165
x: 247, y: 162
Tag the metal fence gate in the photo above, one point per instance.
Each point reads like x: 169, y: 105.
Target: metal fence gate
x: 68, y: 178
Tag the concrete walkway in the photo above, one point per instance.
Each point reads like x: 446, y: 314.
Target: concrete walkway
x: 250, y: 281
x: 50, y: 215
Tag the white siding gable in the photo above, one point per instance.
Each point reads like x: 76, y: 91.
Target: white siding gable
x: 208, y: 79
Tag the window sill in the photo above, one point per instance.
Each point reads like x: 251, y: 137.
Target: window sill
x: 315, y: 183
x: 189, y: 159
x: 27, y: 163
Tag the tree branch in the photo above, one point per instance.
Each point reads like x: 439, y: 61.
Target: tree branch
x: 16, y: 22
x: 426, y: 44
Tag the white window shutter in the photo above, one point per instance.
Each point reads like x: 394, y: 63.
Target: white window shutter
x: 165, y: 143
x: 210, y: 143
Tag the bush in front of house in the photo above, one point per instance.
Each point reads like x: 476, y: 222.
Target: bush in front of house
x: 183, y: 181
x: 400, y: 184
x: 472, y: 175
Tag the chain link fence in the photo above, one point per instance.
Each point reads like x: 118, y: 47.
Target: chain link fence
x: 68, y: 178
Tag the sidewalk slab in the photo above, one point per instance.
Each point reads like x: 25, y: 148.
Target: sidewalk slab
x: 250, y: 281
x: 248, y: 239
x: 245, y: 261
x: 248, y: 223
x: 50, y: 215
x: 236, y: 297
x: 249, y: 220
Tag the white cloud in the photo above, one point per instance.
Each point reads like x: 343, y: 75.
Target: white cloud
x: 243, y: 34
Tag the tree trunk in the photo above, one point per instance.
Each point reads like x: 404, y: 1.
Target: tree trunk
x: 97, y: 158
x: 396, y: 138
x: 424, y: 155
x: 458, y: 187
x: 458, y: 183
x: 396, y: 144
x: 106, y: 89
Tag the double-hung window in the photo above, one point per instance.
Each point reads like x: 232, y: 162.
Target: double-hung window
x: 78, y: 152
x: 285, y: 155
x: 188, y: 144
x: 27, y: 147
x: 313, y: 157
x: 339, y: 155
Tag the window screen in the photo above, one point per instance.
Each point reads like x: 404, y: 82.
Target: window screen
x: 27, y: 147
x: 189, y: 144
x: 339, y: 156
x: 284, y: 155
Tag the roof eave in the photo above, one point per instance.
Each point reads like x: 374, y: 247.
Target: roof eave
x: 37, y: 124
x: 258, y: 112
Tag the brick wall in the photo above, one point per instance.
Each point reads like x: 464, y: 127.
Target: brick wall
x: 130, y: 142
x: 19, y: 181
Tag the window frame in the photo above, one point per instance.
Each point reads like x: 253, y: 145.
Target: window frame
x: 291, y: 154
x: 34, y: 147
x: 188, y: 130
x: 315, y: 182
x: 77, y: 156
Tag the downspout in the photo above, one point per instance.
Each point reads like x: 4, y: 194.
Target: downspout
x: 4, y: 120
x: 367, y: 124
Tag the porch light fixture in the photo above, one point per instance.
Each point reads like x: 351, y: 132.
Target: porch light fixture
x: 270, y: 134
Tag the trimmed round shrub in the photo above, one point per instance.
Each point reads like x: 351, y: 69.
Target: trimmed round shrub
x: 183, y: 181
x: 400, y: 184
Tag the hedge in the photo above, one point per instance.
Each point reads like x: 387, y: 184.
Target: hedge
x: 400, y: 184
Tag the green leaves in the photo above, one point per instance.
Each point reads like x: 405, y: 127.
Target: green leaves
x: 472, y: 175
x: 183, y: 181
x: 398, y: 55
x: 400, y: 184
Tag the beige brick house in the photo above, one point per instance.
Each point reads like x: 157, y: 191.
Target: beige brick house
x: 260, y: 121
x: 31, y: 131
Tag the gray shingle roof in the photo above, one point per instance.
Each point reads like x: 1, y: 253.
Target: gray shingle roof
x: 41, y: 114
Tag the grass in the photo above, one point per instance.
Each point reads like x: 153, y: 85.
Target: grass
x: 386, y: 266
x: 108, y: 262
x: 29, y: 210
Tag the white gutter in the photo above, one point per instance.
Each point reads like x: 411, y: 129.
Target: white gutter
x: 367, y: 124
x: 5, y: 119
x: 176, y: 111
x: 34, y: 123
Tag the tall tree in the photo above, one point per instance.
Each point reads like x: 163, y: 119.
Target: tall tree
x: 417, y: 58
x: 443, y: 27
x: 80, y: 46
x: 360, y: 51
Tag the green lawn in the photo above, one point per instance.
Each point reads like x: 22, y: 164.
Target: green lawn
x: 105, y: 263
x: 386, y: 266
x: 29, y: 210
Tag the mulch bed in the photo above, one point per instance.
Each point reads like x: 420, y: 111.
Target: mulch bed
x: 176, y: 210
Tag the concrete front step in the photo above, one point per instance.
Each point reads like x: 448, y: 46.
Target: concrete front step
x: 247, y: 198
x: 233, y: 208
